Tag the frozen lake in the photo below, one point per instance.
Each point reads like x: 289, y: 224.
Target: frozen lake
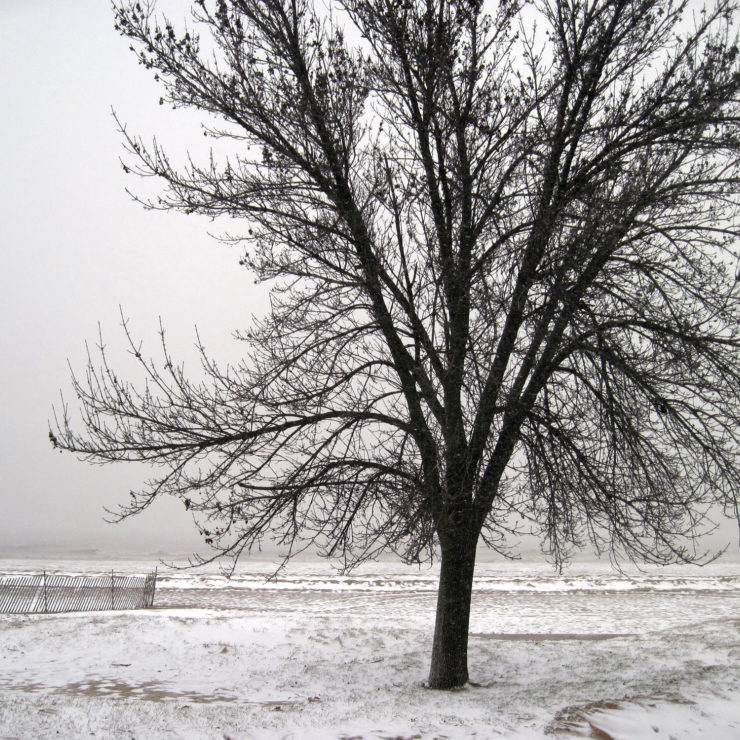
x: 312, y: 653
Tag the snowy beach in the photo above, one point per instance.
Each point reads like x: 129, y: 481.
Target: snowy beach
x: 314, y: 654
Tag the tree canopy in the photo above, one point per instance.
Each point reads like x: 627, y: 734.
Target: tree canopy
x: 501, y: 245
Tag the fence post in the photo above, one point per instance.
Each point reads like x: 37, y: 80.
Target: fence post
x: 112, y: 591
x: 46, y: 605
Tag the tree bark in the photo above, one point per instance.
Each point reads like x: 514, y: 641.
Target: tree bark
x: 449, y: 667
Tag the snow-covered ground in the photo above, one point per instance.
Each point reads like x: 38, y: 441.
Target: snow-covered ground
x: 590, y: 653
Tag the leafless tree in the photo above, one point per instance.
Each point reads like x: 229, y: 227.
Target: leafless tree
x: 500, y: 247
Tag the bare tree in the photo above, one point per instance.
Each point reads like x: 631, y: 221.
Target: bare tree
x: 500, y: 246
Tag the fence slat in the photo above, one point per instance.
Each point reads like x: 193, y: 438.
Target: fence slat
x: 37, y: 594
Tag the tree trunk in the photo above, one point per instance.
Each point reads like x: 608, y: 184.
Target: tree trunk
x: 450, y: 649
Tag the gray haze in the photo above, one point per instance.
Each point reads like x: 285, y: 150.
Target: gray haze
x: 74, y: 248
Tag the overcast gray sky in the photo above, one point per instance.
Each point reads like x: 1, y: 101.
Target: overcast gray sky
x: 74, y: 248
